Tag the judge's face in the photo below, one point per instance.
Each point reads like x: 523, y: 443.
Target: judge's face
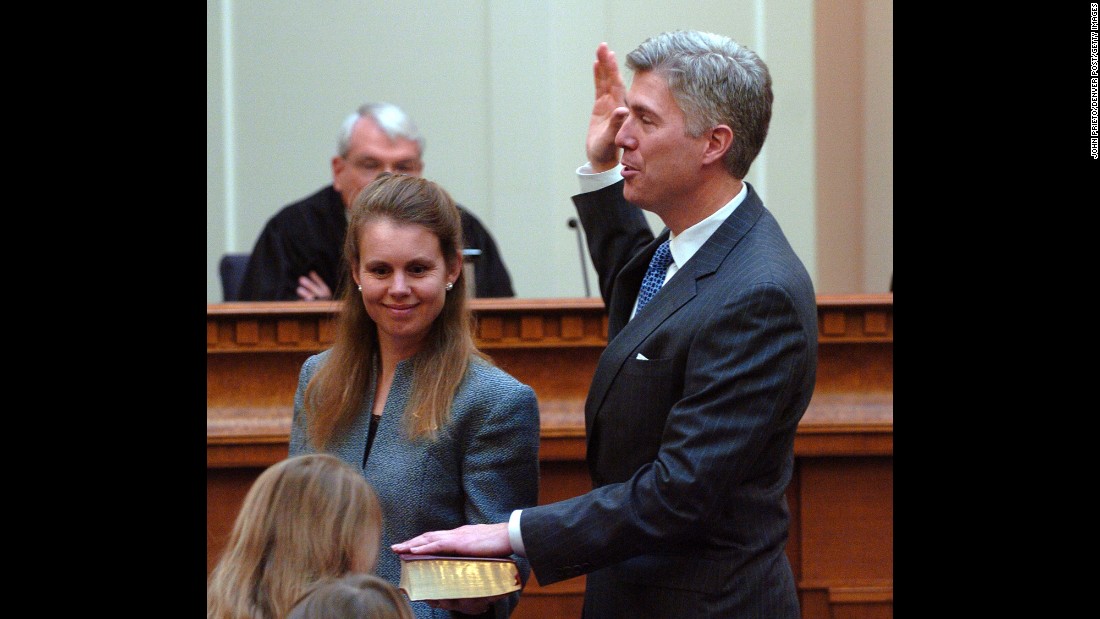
x: 371, y: 152
x: 661, y: 162
x: 404, y: 277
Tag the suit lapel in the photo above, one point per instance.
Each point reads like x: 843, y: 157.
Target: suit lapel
x: 630, y: 278
x: 625, y: 337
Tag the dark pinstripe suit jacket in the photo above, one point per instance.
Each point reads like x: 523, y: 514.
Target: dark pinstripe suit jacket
x: 690, y: 451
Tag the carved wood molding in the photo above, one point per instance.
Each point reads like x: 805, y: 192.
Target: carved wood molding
x: 269, y: 326
x: 255, y: 350
x: 855, y: 318
x: 505, y: 323
x: 852, y: 591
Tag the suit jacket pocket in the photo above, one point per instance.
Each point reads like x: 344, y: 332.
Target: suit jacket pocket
x: 647, y: 368
x: 648, y: 389
x: 628, y: 429
x: 654, y: 385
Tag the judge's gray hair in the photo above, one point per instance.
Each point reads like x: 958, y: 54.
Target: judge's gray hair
x: 390, y: 118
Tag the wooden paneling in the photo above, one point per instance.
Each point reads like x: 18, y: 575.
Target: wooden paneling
x: 841, y: 543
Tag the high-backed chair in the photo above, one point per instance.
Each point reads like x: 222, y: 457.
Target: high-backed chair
x: 231, y: 269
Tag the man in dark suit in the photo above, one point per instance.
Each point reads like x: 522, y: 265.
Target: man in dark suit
x: 299, y: 252
x: 693, y: 408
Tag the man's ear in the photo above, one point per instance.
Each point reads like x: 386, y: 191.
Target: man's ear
x: 338, y: 164
x: 719, y: 141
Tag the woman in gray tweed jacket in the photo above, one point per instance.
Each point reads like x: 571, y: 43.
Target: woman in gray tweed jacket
x: 445, y: 437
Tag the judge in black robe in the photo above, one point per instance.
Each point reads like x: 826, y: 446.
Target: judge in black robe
x: 308, y: 235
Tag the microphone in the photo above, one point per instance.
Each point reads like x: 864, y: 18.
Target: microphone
x: 580, y: 250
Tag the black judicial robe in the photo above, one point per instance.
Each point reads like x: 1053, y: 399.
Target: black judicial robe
x: 308, y: 235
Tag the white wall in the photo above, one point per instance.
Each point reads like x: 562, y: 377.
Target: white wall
x: 502, y: 89
x: 878, y: 135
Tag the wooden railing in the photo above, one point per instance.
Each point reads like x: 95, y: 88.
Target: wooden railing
x: 841, y: 544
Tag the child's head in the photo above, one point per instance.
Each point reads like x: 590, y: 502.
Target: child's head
x: 304, y: 518
x: 354, y: 595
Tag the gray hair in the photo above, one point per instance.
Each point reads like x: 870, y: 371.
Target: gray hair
x: 715, y: 81
x: 390, y: 118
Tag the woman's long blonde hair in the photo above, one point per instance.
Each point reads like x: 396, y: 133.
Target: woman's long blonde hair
x: 335, y: 396
x: 304, y: 518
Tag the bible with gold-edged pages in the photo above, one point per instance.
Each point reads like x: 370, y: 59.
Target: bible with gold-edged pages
x: 442, y: 577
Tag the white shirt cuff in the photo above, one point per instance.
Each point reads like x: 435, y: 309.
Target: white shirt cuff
x: 514, y: 536
x: 591, y: 181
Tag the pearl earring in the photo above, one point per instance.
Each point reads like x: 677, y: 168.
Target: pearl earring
x: 360, y: 289
x: 449, y: 286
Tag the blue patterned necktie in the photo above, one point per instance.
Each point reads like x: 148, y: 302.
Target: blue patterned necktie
x: 654, y: 276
